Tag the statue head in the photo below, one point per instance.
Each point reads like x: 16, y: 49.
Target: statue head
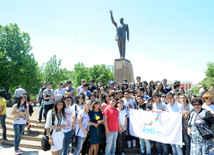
x: 121, y: 20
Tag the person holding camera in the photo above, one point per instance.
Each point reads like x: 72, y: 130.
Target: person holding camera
x: 3, y: 105
x: 20, y: 111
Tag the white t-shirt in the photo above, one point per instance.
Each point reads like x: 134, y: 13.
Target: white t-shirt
x: 128, y: 104
x: 175, y: 108
x: 210, y: 107
x: 85, y: 121
x: 122, y: 117
x: 69, y: 113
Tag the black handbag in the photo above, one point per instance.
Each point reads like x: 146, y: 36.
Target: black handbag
x: 45, y: 140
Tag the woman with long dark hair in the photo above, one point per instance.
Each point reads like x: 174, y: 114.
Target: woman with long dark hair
x: 82, y: 126
x: 151, y: 85
x: 29, y: 103
x: 55, y: 123
x: 95, y: 133
x: 105, y: 98
x: 20, y: 111
x: 160, y: 88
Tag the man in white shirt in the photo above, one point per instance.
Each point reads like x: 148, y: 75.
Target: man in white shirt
x: 58, y: 93
x: 128, y: 103
x: 18, y: 92
x: 173, y: 106
x: 201, y: 91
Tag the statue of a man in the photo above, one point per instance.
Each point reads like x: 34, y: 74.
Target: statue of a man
x: 121, y: 28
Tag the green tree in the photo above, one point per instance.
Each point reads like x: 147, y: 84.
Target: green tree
x: 17, y: 66
x: 52, y: 72
x: 80, y: 72
x: 99, y: 72
x: 210, y: 70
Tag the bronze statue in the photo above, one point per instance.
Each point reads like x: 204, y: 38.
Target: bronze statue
x: 121, y: 35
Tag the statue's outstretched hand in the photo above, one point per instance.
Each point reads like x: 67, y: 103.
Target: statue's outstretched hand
x: 111, y: 12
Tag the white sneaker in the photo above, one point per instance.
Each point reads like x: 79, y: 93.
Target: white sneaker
x: 123, y: 153
x: 134, y: 143
x: 129, y: 144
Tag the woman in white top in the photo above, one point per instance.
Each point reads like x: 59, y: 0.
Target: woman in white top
x: 20, y: 111
x: 82, y: 126
x: 59, y: 118
x: 208, y: 100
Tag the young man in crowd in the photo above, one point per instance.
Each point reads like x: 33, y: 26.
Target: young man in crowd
x: 111, y: 85
x: 40, y: 98
x: 141, y: 92
x: 58, y: 93
x: 70, y: 123
x: 18, y: 92
x: 92, y: 87
x: 163, y: 98
x: 128, y: 103
x: 159, y: 106
x: 166, y: 87
x: 176, y: 96
x: 69, y: 90
x: 173, y: 106
x: 143, y: 106
x: 138, y: 79
x: 85, y: 89
x: 80, y: 88
x: 48, y: 98
x: 3, y: 105
x: 111, y: 122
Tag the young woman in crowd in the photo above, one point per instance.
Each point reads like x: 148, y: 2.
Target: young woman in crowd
x: 186, y: 138
x: 29, y: 103
x: 160, y: 88
x: 20, y: 111
x: 95, y: 132
x: 208, y: 100
x: 79, y: 100
x: 200, y: 128
x: 105, y: 98
x: 55, y: 123
x: 82, y: 128
x: 122, y: 131
x: 120, y: 86
x: 151, y: 85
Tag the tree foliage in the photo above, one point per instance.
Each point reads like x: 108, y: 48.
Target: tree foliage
x: 52, y: 72
x: 17, y: 66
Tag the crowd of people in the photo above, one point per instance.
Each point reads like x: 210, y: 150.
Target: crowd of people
x: 97, y: 117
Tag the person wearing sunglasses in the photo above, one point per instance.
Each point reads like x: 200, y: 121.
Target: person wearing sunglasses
x: 208, y: 99
x: 200, y: 128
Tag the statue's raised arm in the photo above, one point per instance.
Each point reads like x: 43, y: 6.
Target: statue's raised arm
x: 112, y: 18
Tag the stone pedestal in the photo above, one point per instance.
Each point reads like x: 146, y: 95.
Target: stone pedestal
x: 123, y: 70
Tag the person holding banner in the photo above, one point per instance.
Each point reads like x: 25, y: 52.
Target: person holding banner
x: 200, y: 128
x: 111, y: 122
x: 159, y: 106
x: 143, y: 106
x: 173, y: 106
x: 129, y: 104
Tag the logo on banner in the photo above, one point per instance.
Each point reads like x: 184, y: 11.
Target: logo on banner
x: 149, y: 127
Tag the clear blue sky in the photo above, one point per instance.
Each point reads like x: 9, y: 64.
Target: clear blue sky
x: 168, y: 39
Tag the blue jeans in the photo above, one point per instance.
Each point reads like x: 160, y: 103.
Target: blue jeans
x: 111, y: 141
x: 18, y: 129
x: 176, y: 149
x: 66, y: 141
x: 142, y: 146
x: 186, y: 139
x: 40, y: 111
x: 78, y: 149
x: 3, y: 126
x: 165, y: 148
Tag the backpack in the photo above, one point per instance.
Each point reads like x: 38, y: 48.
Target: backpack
x: 45, y: 140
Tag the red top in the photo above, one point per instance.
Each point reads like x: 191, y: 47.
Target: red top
x: 112, y: 118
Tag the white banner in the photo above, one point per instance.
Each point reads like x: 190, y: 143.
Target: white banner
x: 162, y: 127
